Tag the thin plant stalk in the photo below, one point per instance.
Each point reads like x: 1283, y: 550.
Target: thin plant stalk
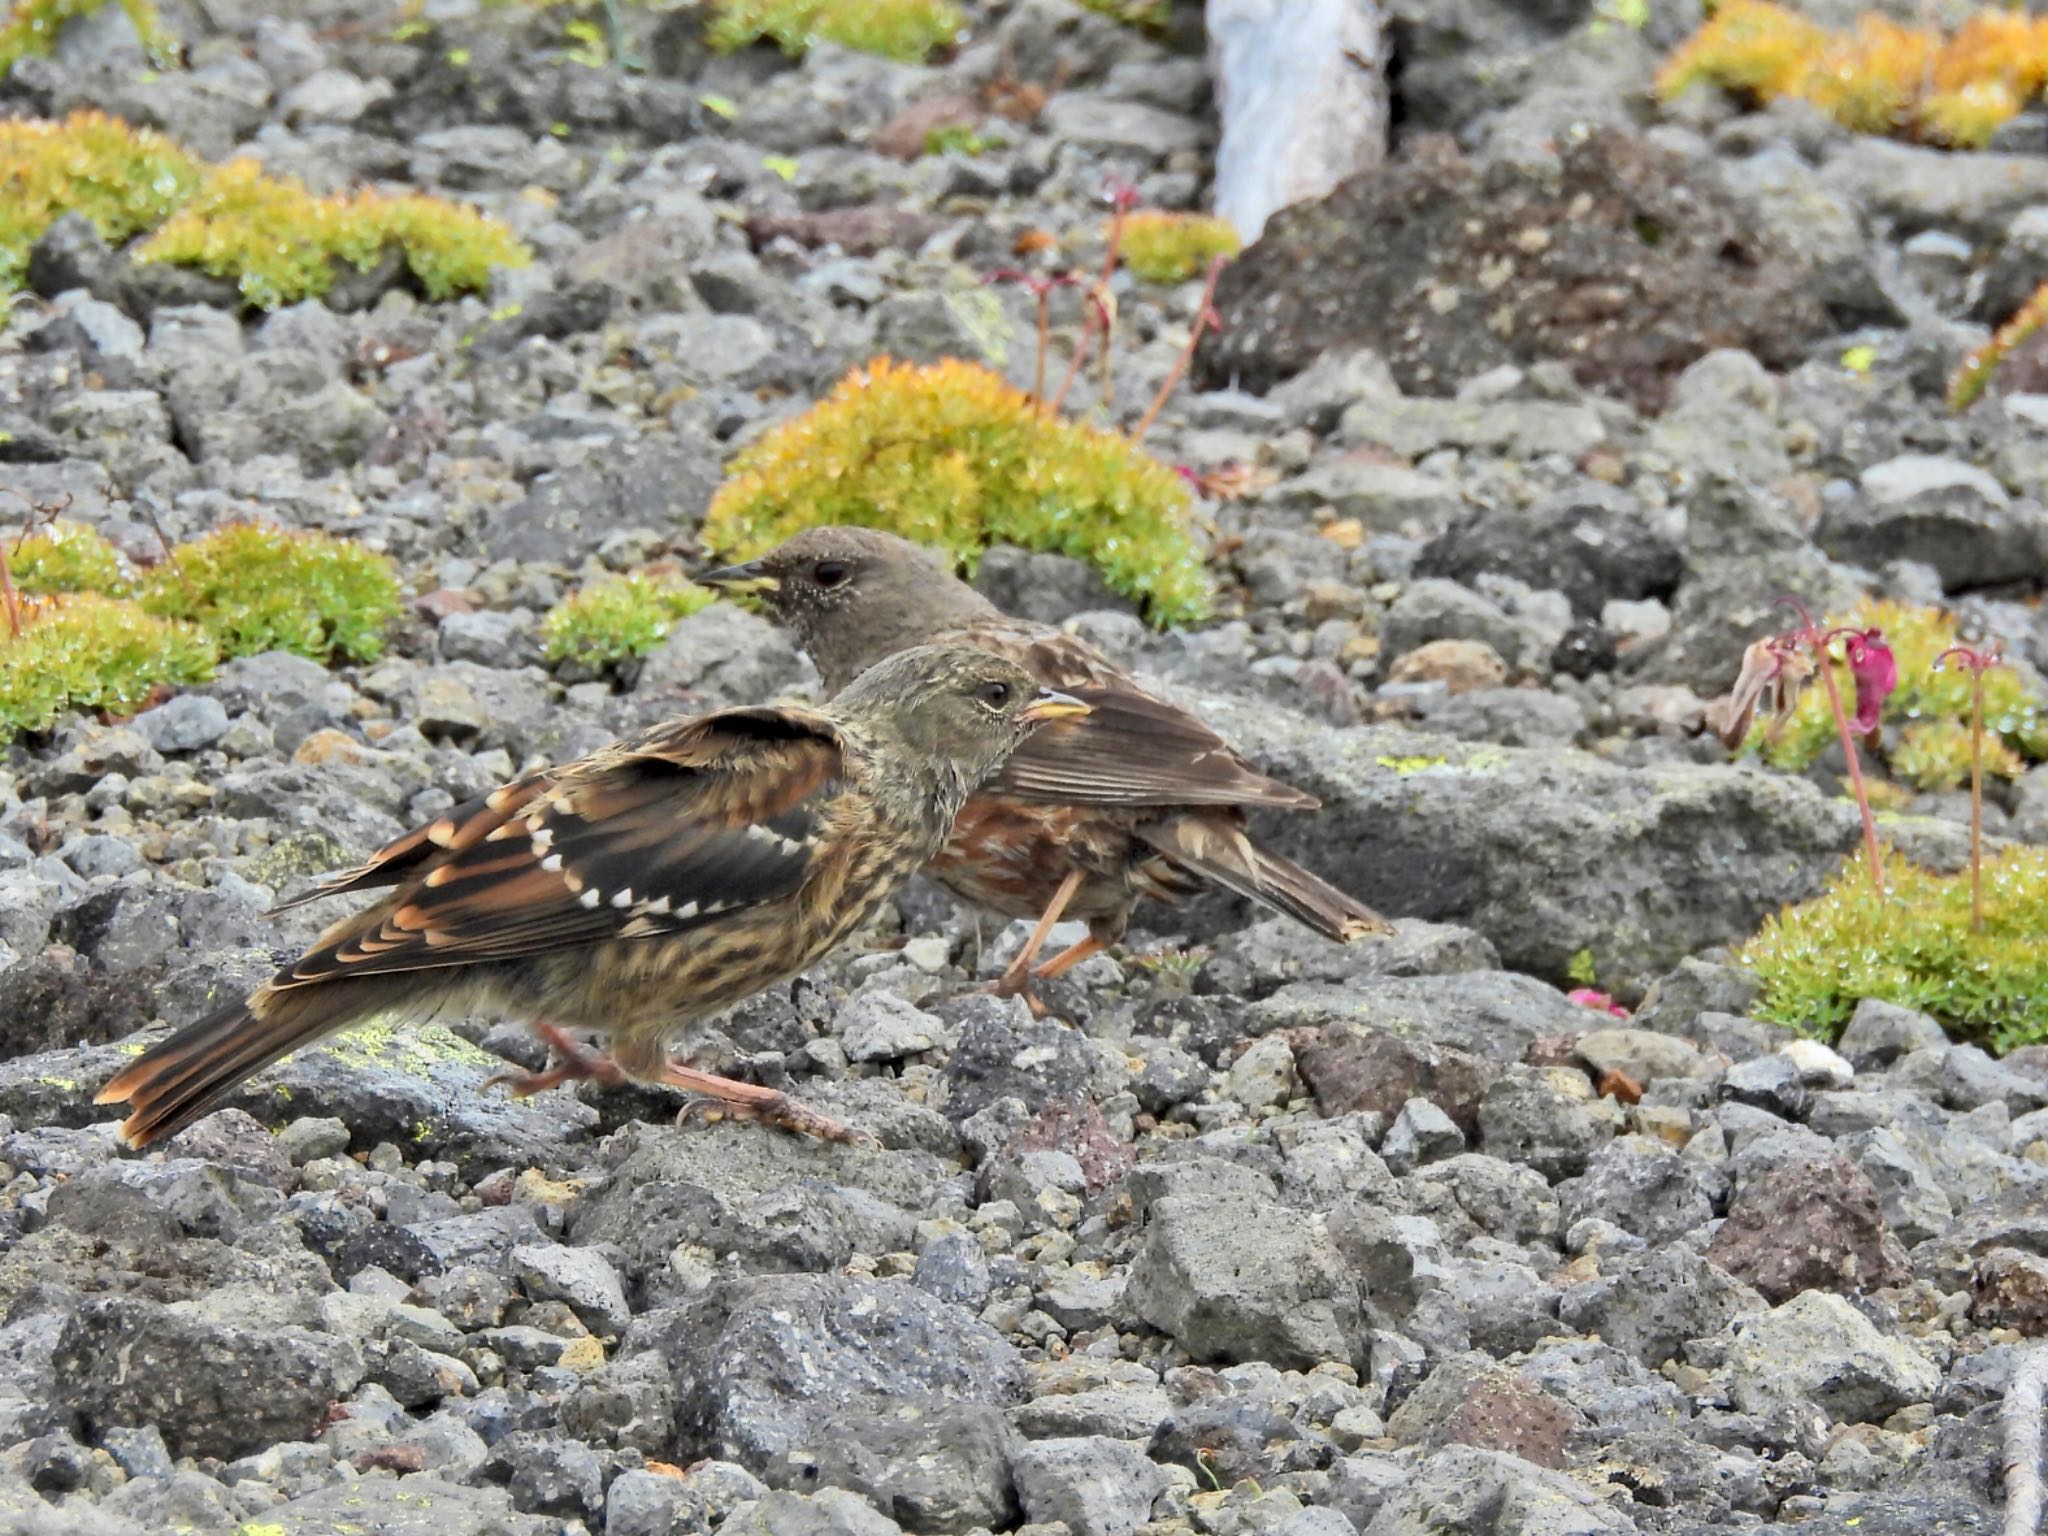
x: 1122, y: 198
x: 1977, y: 803
x: 1044, y: 341
x: 1819, y: 642
x: 1206, y: 319
x: 1095, y: 316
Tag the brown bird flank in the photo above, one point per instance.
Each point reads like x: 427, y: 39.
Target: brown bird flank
x: 657, y: 881
x: 1138, y: 799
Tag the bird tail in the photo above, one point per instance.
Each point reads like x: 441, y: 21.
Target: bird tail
x: 181, y: 1079
x: 1222, y: 852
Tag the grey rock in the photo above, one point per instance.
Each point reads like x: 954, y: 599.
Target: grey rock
x: 1922, y: 188
x: 1648, y: 1304
x: 880, y: 1026
x: 1098, y: 123
x: 1234, y: 1281
x: 214, y: 1389
x: 723, y: 655
x: 1438, y: 609
x: 1421, y: 1133
x: 1592, y: 542
x: 954, y: 1268
x: 1043, y: 587
x: 1817, y: 1348
x: 184, y: 724
x: 1004, y: 1053
x: 1643, y: 1187
x: 1525, y: 1117
x: 829, y: 1512
x: 1495, y: 1014
x: 1094, y: 1485
x: 1941, y: 512
x: 642, y: 1504
x: 1770, y: 1083
x: 1464, y: 1491
x: 419, y: 1505
x: 578, y: 1276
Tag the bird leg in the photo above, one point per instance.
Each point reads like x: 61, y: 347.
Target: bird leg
x: 750, y: 1101
x: 1016, y: 978
x: 1068, y: 958
x: 574, y: 1062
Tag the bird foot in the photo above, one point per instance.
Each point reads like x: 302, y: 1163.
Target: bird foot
x: 1016, y: 983
x: 574, y: 1063
x: 724, y: 1096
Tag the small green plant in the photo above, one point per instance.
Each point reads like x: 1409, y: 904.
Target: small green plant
x: 950, y: 455
x: 277, y: 241
x: 1173, y: 247
x: 1974, y: 373
x: 909, y: 30
x: 87, y: 652
x: 65, y: 557
x: 1914, y: 944
x: 1145, y: 15
x: 256, y: 588
x: 961, y: 139
x: 1977, y: 661
x: 615, y: 618
x: 32, y: 26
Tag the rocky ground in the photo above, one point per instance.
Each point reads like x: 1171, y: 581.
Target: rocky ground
x: 1261, y: 1235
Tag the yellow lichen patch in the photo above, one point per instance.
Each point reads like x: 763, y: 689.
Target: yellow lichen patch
x: 1173, y: 247
x: 909, y: 30
x: 1880, y: 77
x: 273, y: 238
x: 950, y: 455
x: 1913, y: 944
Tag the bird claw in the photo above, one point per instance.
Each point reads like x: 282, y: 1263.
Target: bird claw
x: 777, y: 1109
x: 573, y: 1063
x: 1008, y: 985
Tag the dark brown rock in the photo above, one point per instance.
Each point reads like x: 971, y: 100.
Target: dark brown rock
x: 1351, y: 1069
x: 859, y: 231
x: 1629, y: 264
x: 1506, y: 1411
x: 2011, y: 1291
x: 1814, y: 1225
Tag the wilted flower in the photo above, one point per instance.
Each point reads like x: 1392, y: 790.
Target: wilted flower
x: 1776, y: 668
x: 1599, y: 1002
x: 1876, y: 672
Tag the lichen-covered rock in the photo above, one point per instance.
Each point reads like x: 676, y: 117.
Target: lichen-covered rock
x: 1629, y: 266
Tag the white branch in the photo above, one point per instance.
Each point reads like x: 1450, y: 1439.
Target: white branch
x: 2020, y: 1418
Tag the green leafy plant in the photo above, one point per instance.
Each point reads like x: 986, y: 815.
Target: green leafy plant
x: 961, y: 139
x: 256, y: 588
x: 1173, y: 247
x: 909, y: 30
x: 87, y: 652
x: 276, y: 240
x: 1913, y: 943
x: 950, y: 455
x: 68, y: 557
x: 1880, y: 77
x: 1145, y: 15
x: 32, y: 26
x: 615, y: 618
x: 1973, y: 375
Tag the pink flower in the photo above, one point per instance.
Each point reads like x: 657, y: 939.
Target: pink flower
x: 1599, y: 1002
x: 1876, y: 672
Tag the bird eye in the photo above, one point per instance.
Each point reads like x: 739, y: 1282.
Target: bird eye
x: 995, y: 695
x: 831, y: 573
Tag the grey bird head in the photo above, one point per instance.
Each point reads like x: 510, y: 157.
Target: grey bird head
x: 854, y: 595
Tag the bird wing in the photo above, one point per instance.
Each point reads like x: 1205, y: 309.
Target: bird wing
x: 646, y: 837
x: 1131, y: 749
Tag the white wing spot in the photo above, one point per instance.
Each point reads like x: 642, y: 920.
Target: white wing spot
x: 552, y: 863
x: 624, y: 899
x: 591, y: 898
x: 687, y: 909
x: 658, y: 907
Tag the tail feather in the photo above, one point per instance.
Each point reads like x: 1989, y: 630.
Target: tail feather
x: 188, y: 1076
x: 1222, y: 852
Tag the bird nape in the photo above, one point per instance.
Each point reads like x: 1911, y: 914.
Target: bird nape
x: 1140, y: 799
x: 659, y: 880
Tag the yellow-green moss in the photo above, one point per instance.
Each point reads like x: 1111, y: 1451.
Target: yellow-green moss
x: 32, y: 26
x: 272, y: 237
x: 1145, y: 15
x: 1935, y: 754
x: 1173, y: 247
x: 897, y: 29
x: 256, y: 588
x: 950, y: 455
x: 2013, y: 714
x: 88, y: 652
x: 68, y: 557
x: 617, y: 617
x: 1880, y: 77
x: 1913, y: 945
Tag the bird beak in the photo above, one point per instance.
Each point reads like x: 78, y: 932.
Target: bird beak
x: 750, y: 577
x: 1053, y: 706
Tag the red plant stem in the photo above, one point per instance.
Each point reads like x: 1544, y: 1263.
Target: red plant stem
x: 1819, y: 643
x: 9, y: 597
x: 1977, y: 802
x: 1205, y: 316
x: 1089, y: 320
x: 1044, y: 341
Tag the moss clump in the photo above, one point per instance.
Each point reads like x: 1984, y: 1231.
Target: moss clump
x: 909, y: 30
x: 1145, y: 15
x: 1881, y: 77
x: 1914, y: 946
x: 2014, y: 719
x: 255, y: 588
x: 32, y: 26
x: 1935, y: 754
x: 950, y: 455
x: 1173, y: 247
x: 88, y: 652
x: 277, y: 241
x: 68, y: 557
x: 615, y: 618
